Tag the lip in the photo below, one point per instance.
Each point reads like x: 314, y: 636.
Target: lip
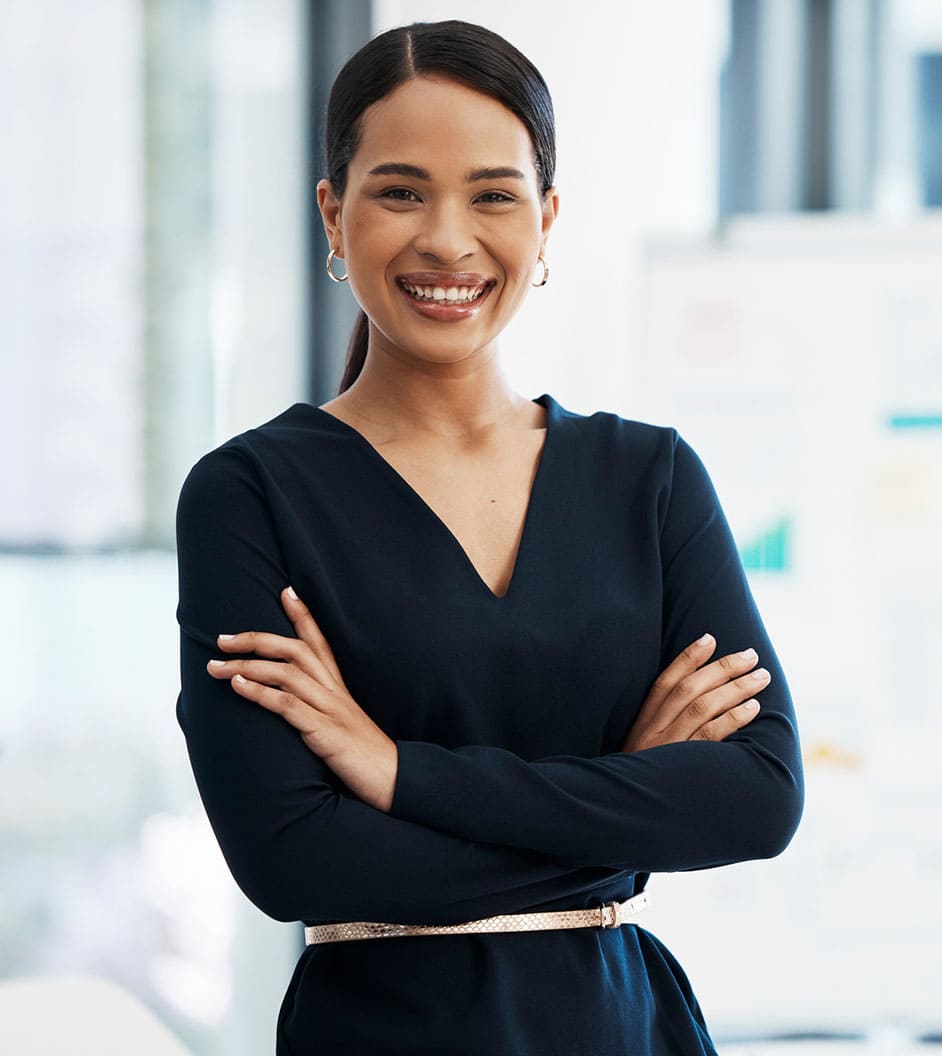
x: 450, y: 311
x: 444, y: 278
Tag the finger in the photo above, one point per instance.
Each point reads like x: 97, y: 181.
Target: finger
x: 279, y: 646
x: 729, y: 722
x: 694, y: 656
x: 704, y: 709
x: 292, y: 709
x: 263, y: 643
x: 309, y: 632
x: 707, y: 678
x: 269, y: 673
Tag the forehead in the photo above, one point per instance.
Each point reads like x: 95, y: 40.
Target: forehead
x: 443, y: 126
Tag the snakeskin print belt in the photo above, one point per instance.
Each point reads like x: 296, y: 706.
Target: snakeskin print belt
x: 607, y: 915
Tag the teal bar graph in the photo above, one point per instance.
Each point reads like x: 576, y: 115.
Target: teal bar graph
x: 915, y: 421
x: 771, y: 550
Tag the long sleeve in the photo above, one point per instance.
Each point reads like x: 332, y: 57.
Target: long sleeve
x: 297, y: 842
x: 680, y: 806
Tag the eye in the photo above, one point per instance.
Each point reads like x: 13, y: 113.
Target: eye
x: 495, y: 198
x: 399, y: 194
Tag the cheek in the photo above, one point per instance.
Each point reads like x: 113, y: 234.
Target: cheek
x: 519, y: 267
x: 519, y: 238
x: 372, y: 239
x: 369, y: 248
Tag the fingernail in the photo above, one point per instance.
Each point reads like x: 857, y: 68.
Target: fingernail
x: 705, y: 640
x: 748, y: 654
x: 291, y: 593
x: 238, y: 678
x: 761, y: 675
x: 224, y: 637
x: 750, y: 705
x: 217, y: 663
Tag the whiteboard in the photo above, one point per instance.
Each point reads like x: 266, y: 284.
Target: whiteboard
x: 802, y: 358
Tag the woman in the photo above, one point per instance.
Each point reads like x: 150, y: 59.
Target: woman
x: 487, y: 691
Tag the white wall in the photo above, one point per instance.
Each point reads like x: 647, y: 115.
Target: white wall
x: 634, y: 85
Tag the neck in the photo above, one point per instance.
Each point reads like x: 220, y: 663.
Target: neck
x: 447, y: 401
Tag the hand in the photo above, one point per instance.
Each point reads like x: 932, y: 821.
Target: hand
x: 302, y: 683
x: 690, y: 701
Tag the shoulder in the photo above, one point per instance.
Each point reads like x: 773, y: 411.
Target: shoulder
x: 297, y: 428
x: 607, y: 433
x: 248, y: 475
x: 234, y: 487
x: 600, y: 423
x: 290, y: 441
x: 642, y: 462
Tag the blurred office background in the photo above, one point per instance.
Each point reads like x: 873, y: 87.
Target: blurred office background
x: 749, y: 247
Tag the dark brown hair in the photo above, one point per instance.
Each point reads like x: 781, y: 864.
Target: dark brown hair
x: 459, y: 51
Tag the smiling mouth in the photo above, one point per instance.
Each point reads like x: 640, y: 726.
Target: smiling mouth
x: 445, y: 295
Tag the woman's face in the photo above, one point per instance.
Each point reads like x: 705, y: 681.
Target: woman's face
x: 441, y: 222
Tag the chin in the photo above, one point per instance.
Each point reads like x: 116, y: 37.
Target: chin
x: 431, y: 348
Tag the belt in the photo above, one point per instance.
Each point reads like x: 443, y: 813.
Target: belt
x: 607, y: 915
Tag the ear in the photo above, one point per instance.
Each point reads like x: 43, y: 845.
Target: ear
x: 331, y: 215
x: 550, y: 212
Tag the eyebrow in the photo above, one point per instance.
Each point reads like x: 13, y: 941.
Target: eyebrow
x: 397, y: 168
x: 503, y: 172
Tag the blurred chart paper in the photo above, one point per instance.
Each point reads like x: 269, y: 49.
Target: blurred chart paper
x: 803, y: 359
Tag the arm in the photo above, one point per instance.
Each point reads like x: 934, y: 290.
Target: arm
x: 688, y: 805
x: 297, y: 843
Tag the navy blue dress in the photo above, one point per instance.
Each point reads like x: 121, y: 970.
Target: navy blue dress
x: 509, y: 713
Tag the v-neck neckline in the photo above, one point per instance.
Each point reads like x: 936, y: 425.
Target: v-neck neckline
x: 549, y: 405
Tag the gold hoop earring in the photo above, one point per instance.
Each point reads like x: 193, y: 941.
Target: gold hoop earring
x: 540, y: 260
x: 330, y: 270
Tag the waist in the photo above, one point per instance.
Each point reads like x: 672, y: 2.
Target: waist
x: 606, y: 915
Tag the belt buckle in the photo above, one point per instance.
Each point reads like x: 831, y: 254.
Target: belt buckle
x: 608, y: 915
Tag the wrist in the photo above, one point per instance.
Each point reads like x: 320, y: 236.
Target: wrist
x: 387, y: 770
x: 369, y: 770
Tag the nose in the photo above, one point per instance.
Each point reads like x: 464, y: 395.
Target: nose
x: 447, y: 234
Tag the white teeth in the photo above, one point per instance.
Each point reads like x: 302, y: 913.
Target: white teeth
x: 446, y: 295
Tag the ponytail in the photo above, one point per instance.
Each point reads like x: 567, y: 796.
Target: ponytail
x: 356, y: 352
